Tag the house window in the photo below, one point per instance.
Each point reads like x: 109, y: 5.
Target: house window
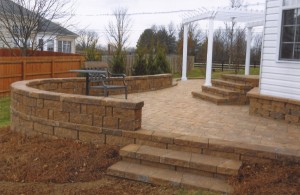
x: 41, y: 44
x: 50, y: 45
x: 290, y: 31
x: 64, y: 46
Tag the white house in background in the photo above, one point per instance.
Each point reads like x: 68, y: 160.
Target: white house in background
x: 280, y: 66
x: 52, y: 37
x: 57, y: 41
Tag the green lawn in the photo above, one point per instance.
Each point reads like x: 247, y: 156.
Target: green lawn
x: 200, y: 73
x: 4, y: 111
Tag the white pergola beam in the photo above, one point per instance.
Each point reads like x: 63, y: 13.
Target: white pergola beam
x: 202, y: 16
x: 255, y: 24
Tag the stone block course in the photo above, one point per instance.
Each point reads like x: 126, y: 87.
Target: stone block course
x: 66, y: 133
x: 191, y: 141
x: 118, y: 141
x: 88, y: 128
x: 183, y: 148
x: 272, y: 107
x: 129, y: 124
x: 45, y: 129
x: 53, y: 105
x: 61, y: 116
x: 110, y: 122
x: 71, y: 107
x: 94, y: 109
x: 221, y: 154
x: 150, y: 143
x: 84, y: 119
x: 97, y: 121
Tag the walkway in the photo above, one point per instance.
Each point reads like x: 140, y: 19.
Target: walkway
x: 175, y: 110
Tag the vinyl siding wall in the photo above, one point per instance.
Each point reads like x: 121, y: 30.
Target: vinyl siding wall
x: 278, y: 78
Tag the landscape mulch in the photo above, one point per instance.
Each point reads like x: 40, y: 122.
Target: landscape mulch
x: 38, y: 165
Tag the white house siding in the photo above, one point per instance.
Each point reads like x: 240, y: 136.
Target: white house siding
x: 278, y: 78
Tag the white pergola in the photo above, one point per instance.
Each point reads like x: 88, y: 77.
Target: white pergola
x: 251, y: 18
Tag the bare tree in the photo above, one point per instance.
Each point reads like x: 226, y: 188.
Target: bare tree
x: 195, y: 38
x: 117, y: 33
x: 256, y: 49
x: 230, y: 28
x: 239, y: 48
x: 118, y: 30
x: 87, y: 39
x: 87, y: 42
x: 23, y: 21
x: 219, y: 53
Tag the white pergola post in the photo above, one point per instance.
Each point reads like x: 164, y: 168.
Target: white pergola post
x: 248, y: 51
x: 184, y: 54
x: 209, y: 52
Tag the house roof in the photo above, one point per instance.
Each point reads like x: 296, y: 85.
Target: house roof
x: 45, y: 26
x: 48, y: 26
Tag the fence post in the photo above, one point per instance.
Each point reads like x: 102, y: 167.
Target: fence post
x: 52, y: 68
x: 23, y: 69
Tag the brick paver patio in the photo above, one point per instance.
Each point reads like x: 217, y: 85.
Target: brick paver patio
x: 175, y: 110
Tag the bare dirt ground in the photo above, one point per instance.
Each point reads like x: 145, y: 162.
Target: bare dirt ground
x: 37, y: 165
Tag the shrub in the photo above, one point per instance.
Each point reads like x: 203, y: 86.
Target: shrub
x: 140, y: 64
x: 152, y: 66
x: 118, y: 62
x: 161, y: 61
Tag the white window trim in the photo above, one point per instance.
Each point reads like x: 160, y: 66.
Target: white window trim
x: 281, y: 7
x: 64, y: 41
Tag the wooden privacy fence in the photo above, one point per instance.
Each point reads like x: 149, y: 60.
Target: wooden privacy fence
x: 14, y: 69
x: 175, y: 62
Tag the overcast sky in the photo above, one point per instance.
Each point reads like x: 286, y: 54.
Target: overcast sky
x: 91, y: 14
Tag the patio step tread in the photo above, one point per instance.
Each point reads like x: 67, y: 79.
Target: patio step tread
x: 219, y: 91
x: 210, y: 97
x: 241, y: 78
x: 201, y: 162
x: 218, y: 82
x: 161, y: 176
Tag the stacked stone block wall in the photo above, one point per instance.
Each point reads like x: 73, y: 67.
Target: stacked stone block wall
x: 59, y: 108
x: 272, y: 107
x: 35, y: 111
x: 77, y: 85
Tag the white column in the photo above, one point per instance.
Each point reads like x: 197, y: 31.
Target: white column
x: 209, y: 52
x: 184, y: 54
x: 248, y: 51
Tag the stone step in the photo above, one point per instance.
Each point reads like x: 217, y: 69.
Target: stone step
x: 243, y: 88
x: 210, y: 97
x: 161, y: 176
x: 221, y: 92
x: 252, y: 80
x: 185, y: 161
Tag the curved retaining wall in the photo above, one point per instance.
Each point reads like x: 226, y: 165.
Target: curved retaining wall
x: 57, y: 108
x: 77, y: 85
